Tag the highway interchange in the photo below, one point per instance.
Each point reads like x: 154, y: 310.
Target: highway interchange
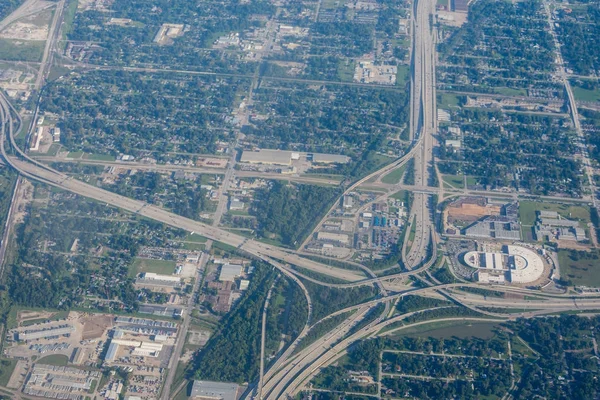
x: 292, y: 370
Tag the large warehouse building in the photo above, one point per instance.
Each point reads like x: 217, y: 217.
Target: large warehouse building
x: 207, y: 390
x: 33, y: 334
x: 271, y: 157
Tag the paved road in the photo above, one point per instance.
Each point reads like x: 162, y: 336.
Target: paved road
x: 263, y: 336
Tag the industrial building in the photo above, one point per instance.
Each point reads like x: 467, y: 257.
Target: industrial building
x: 285, y: 157
x: 494, y: 227
x: 271, y: 157
x: 152, y: 279
x: 37, y: 138
x: 55, y: 135
x: 347, y: 202
x: 230, y: 271
x: 207, y: 390
x: 334, y: 237
x: 235, y: 204
x: 552, y: 225
x: 320, y: 158
x: 55, y: 331
x: 142, y: 349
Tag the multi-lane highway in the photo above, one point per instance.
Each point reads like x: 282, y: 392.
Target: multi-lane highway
x: 290, y: 371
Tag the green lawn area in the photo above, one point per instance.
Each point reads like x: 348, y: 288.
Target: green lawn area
x: 527, y: 211
x: 179, y: 377
x: 23, y: 131
x: 483, y: 330
x: 11, y: 319
x: 99, y: 157
x: 6, y: 369
x: 75, y: 154
x: 53, y: 150
x: 585, y: 94
x: 394, y: 176
x: 193, y: 246
x: 510, y: 91
x: 402, y: 75
x: 581, y: 268
x: 471, y: 180
x: 401, y: 195
x: 194, y: 237
x: 447, y: 100
x: 183, y: 393
x: 165, y: 267
x: 413, y: 230
x: 454, y: 180
x: 331, y: 4
x: 54, y: 359
x: 345, y: 70
x: 18, y: 50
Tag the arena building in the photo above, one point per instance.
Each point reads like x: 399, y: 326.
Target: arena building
x: 515, y: 263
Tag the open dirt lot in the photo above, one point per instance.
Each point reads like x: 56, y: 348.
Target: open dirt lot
x: 94, y: 326
x: 32, y: 27
x: 472, y: 211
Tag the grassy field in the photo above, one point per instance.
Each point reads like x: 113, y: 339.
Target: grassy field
x: 401, y: 195
x: 11, y: 319
x: 580, y: 269
x: 454, y: 181
x: 14, y: 50
x: 402, y: 75
x: 447, y: 100
x: 471, y: 180
x: 165, y: 267
x: 99, y: 157
x: 57, y: 316
x: 394, y: 176
x: 6, y: 369
x: 585, y: 94
x: 54, y: 359
x: 448, y: 329
x: 413, y: 231
x: 527, y: 211
x: 345, y: 70
x: 193, y: 246
x: 483, y: 330
x: 194, y: 237
x: 75, y: 154
x: 510, y: 91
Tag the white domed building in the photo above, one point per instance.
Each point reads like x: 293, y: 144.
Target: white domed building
x: 516, y: 264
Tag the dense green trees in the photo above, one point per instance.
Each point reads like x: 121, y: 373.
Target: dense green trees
x: 326, y: 300
x: 8, y: 6
x: 233, y: 353
x: 288, y: 212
